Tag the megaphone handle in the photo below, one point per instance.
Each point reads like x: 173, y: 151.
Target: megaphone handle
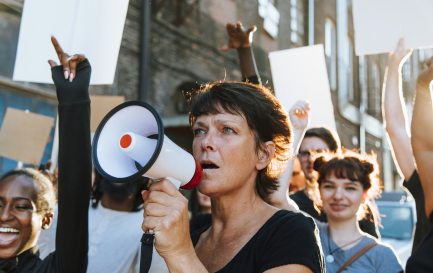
x: 146, y: 252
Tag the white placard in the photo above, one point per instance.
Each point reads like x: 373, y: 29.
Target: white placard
x: 300, y: 74
x: 90, y: 27
x: 379, y: 24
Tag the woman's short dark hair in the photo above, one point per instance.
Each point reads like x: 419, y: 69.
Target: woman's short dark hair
x: 44, y: 191
x: 325, y: 134
x: 350, y: 165
x: 264, y: 115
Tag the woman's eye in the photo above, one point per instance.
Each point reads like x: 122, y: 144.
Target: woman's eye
x: 198, y: 131
x: 228, y: 130
x: 22, y: 207
x: 351, y: 189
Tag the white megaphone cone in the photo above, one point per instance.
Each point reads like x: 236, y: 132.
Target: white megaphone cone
x: 130, y: 142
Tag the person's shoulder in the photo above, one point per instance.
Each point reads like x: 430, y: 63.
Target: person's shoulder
x: 291, y: 220
x: 380, y: 246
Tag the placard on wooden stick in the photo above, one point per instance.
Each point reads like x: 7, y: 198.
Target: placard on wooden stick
x: 300, y: 74
x: 379, y: 24
x: 24, y: 135
x: 100, y: 106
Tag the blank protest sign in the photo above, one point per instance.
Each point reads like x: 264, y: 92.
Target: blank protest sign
x: 379, y: 24
x: 24, y: 135
x: 90, y: 27
x: 300, y: 74
x: 100, y: 106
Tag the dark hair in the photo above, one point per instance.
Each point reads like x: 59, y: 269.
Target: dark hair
x: 123, y: 191
x: 44, y: 192
x: 350, y: 165
x: 264, y: 115
x: 325, y: 134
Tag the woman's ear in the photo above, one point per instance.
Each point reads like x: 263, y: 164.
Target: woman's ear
x: 47, y: 219
x: 265, y: 155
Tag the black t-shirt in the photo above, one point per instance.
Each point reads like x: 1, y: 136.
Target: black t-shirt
x: 305, y: 204
x: 286, y: 238
x: 422, y: 223
x: 421, y: 260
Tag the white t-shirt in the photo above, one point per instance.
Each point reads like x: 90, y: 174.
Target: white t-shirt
x: 114, y: 242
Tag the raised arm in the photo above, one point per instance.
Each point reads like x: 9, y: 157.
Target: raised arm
x: 394, y: 114
x: 72, y: 81
x: 299, y: 117
x: 422, y: 132
x: 241, y: 40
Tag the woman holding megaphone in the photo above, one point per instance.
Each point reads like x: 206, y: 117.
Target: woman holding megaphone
x: 242, y: 137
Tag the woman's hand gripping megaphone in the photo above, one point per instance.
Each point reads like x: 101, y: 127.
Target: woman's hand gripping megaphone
x: 166, y: 215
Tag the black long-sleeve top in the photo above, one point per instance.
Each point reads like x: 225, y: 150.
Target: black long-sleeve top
x: 74, y: 180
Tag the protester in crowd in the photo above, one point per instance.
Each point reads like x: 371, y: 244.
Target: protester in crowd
x: 241, y: 139
x: 27, y: 196
x: 297, y: 181
x: 422, y: 144
x: 317, y: 140
x: 394, y: 120
x: 114, y: 239
x: 347, y: 180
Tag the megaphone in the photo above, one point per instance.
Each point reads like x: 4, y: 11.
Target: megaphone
x: 130, y: 142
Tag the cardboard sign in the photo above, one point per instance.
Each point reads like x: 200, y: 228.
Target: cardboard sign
x: 24, y: 135
x: 100, y: 106
x: 300, y: 74
x: 90, y: 27
x: 379, y: 24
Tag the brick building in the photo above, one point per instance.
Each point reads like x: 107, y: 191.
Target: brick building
x: 179, y: 45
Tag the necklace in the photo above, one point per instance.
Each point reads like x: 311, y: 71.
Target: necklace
x: 330, y: 257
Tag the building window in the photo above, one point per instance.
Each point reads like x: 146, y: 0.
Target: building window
x: 348, y: 63
x: 271, y: 17
x: 9, y: 29
x: 297, y: 22
x: 373, y: 103
x: 331, y: 52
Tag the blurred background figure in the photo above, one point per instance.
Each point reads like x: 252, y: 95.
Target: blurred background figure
x: 297, y: 182
x: 200, y: 208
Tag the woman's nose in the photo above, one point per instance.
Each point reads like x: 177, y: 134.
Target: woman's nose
x: 338, y: 194
x: 5, y: 213
x: 208, y: 141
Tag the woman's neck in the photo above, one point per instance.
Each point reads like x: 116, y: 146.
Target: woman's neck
x: 342, y: 232
x: 226, y: 216
x: 118, y: 205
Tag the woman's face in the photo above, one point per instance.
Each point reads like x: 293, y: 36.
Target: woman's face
x: 341, y: 197
x: 226, y: 149
x: 20, y: 224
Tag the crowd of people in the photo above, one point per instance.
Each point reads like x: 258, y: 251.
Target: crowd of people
x: 276, y: 195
